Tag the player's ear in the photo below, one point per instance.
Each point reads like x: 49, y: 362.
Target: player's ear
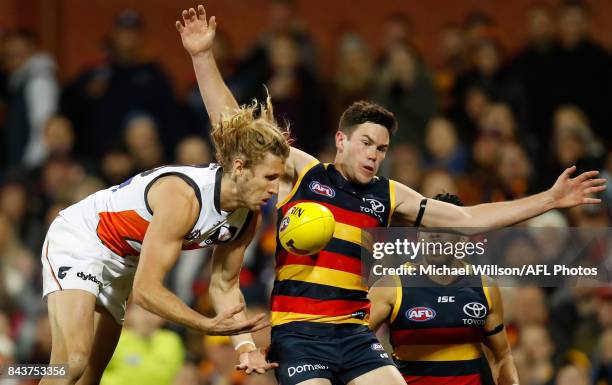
x: 238, y: 166
x: 340, y: 140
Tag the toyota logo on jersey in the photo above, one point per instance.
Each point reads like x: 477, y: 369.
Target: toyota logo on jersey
x: 420, y: 314
x: 475, y: 310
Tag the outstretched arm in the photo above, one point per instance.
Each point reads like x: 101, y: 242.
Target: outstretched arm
x: 198, y: 34
x: 566, y: 192
x: 161, y: 248
x: 225, y: 292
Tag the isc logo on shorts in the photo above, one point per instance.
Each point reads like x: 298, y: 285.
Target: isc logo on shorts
x: 420, y: 314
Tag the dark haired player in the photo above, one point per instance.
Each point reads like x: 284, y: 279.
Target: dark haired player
x: 319, y: 305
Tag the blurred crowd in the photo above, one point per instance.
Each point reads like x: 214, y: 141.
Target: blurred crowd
x: 488, y: 124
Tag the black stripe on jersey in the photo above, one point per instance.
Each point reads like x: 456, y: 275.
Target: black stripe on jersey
x: 438, y: 368
x: 184, y: 177
x: 316, y: 291
x: 217, y: 199
x: 318, y: 329
x: 341, y: 246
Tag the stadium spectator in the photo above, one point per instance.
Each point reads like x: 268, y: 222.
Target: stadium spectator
x: 33, y: 97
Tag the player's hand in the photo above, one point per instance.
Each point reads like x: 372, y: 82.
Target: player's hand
x: 255, y: 361
x: 569, y: 192
x: 225, y: 325
x: 197, y: 34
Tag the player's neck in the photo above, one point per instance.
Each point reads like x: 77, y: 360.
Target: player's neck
x: 229, y: 197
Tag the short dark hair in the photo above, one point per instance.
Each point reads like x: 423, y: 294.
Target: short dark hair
x: 449, y: 198
x: 364, y: 111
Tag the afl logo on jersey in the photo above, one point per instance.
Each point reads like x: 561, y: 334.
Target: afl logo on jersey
x: 321, y: 189
x: 420, y: 314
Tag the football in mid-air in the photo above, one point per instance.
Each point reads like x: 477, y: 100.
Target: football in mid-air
x: 306, y: 228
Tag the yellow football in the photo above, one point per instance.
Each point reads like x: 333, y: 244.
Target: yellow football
x: 306, y: 228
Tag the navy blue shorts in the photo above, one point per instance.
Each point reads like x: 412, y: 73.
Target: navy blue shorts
x: 340, y: 357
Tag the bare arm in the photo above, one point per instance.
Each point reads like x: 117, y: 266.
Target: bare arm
x: 225, y: 291
x: 197, y: 35
x: 566, y: 192
x: 382, y: 296
x: 498, y: 343
x: 160, y: 249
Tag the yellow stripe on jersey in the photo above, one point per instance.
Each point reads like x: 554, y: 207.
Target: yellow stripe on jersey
x: 449, y: 352
x: 485, y: 288
x: 297, y: 184
x: 321, y: 276
x: 398, y: 297
x: 353, y: 234
x: 279, y: 318
x: 392, y: 201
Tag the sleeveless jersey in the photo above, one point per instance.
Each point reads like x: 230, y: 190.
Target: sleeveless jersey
x: 120, y: 215
x: 436, y: 330
x: 320, y: 291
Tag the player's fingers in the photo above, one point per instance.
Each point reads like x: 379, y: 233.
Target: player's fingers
x: 260, y: 370
x: 597, y: 182
x: 591, y: 201
x: 179, y: 26
x: 568, y: 171
x: 594, y: 189
x: 273, y: 365
x: 241, y: 366
x: 193, y: 16
x: 213, y: 23
x: 201, y: 13
x: 586, y: 175
x: 185, y: 16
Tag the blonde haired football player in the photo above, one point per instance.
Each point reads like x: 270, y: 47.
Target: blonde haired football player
x: 127, y: 238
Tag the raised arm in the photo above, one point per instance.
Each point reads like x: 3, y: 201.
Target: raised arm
x: 175, y: 210
x: 566, y: 192
x: 198, y: 35
x: 225, y: 292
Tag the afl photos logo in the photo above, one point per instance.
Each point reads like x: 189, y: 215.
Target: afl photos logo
x: 321, y: 189
x: 420, y: 314
x: 475, y: 310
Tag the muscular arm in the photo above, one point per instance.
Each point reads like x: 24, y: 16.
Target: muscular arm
x: 498, y: 343
x: 175, y: 210
x: 566, y: 192
x: 382, y: 296
x: 161, y: 247
x: 225, y: 279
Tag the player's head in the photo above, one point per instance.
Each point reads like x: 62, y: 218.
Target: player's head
x: 362, y: 140
x: 435, y: 255
x: 252, y: 149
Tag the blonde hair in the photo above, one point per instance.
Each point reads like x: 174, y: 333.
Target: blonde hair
x: 249, y: 135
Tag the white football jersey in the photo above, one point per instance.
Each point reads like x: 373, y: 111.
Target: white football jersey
x: 120, y: 215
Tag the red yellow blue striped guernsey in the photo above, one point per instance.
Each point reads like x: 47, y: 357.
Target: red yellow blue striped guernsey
x: 321, y: 291
x: 436, y: 330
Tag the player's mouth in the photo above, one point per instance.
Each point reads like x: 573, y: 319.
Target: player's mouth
x: 368, y: 169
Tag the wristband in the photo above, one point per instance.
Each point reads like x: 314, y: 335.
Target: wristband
x: 237, y: 347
